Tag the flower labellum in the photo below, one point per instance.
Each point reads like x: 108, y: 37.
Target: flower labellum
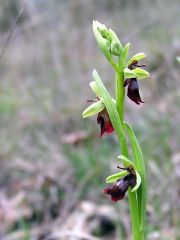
x: 105, y: 122
x: 133, y: 90
x: 118, y: 189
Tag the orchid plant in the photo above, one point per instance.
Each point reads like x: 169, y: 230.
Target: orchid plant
x: 132, y: 177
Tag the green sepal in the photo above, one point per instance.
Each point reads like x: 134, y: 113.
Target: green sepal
x: 128, y: 73
x: 138, y: 57
x: 127, y: 162
x: 113, y: 178
x: 125, y: 51
x: 93, y: 109
x: 141, y: 73
x: 138, y: 182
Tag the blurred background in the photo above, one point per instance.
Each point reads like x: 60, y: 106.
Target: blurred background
x: 53, y: 164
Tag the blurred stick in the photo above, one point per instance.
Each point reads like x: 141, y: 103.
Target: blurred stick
x: 12, y: 29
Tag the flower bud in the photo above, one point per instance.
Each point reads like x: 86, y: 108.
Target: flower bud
x: 115, y: 48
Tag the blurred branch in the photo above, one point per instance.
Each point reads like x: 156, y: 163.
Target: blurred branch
x: 12, y: 29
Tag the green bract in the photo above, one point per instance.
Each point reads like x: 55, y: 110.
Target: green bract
x: 93, y: 109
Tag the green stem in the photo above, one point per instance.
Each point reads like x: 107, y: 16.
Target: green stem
x: 133, y: 203
x: 120, y: 91
x: 137, y: 234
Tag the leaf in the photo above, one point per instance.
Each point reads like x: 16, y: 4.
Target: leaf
x: 137, y: 57
x: 138, y: 182
x: 113, y: 178
x: 140, y: 165
x: 141, y: 73
x: 93, y: 109
x: 128, y: 73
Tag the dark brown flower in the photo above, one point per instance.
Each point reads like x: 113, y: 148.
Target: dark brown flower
x: 132, y: 83
x: 133, y: 90
x: 105, y: 122
x: 118, y: 189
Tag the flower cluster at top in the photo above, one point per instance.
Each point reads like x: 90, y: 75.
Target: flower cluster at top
x: 132, y: 71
